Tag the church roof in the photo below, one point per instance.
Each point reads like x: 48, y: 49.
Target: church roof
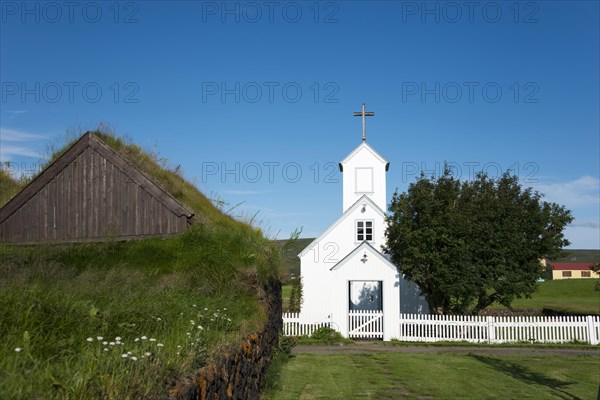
x: 364, y: 145
x: 363, y: 199
x: 364, y: 245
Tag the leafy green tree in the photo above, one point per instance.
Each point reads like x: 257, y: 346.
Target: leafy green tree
x: 596, y: 268
x: 296, y: 295
x: 470, y: 244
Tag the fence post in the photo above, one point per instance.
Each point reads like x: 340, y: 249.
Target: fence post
x: 592, y: 337
x: 491, y: 329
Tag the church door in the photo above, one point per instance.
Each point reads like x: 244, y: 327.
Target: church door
x: 365, y: 314
x: 365, y: 296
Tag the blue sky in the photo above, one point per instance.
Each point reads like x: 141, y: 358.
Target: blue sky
x: 254, y: 99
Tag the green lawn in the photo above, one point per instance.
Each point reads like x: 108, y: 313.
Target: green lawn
x: 569, y: 295
x: 435, y: 376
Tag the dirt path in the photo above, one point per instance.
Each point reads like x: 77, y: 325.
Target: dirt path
x: 379, y: 347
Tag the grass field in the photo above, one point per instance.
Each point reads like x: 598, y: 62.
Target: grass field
x: 576, y: 296
x: 435, y: 376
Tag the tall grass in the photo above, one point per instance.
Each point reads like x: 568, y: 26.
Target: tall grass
x: 194, y: 294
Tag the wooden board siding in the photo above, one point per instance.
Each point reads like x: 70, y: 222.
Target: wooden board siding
x: 90, y: 193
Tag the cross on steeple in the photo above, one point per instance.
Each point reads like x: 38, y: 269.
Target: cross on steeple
x: 364, y: 114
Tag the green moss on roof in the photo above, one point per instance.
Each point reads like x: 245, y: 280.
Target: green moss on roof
x: 169, y: 178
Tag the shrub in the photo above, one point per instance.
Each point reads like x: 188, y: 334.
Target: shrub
x: 327, y: 334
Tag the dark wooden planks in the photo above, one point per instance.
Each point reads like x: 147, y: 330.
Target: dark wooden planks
x: 91, y: 193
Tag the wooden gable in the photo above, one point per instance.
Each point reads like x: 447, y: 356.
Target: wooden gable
x: 90, y: 193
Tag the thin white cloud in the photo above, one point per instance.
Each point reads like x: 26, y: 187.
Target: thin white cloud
x: 13, y: 135
x: 585, y: 224
x: 8, y: 152
x: 584, y: 191
x: 14, y: 113
x: 17, y: 143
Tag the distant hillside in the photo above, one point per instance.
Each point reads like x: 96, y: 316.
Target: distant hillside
x: 291, y: 262
x: 591, y: 256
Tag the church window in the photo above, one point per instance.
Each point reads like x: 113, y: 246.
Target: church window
x: 364, y: 180
x: 364, y: 231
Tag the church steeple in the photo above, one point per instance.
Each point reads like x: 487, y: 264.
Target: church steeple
x: 363, y: 171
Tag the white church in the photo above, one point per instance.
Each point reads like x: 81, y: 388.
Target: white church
x: 347, y: 280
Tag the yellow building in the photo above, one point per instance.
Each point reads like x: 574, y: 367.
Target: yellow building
x: 571, y: 270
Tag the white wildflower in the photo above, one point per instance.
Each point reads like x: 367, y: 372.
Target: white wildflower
x: 118, y: 339
x: 18, y: 349
x: 137, y: 339
x: 90, y: 339
x: 105, y: 343
x: 134, y: 358
x: 147, y: 354
x: 160, y: 345
x: 158, y: 319
x: 124, y: 355
x: 106, y: 349
x: 112, y: 343
x: 144, y: 337
x: 129, y: 353
x: 192, y: 322
x: 152, y: 340
x: 200, y: 327
x: 205, y: 308
x: 193, y: 305
x: 99, y: 338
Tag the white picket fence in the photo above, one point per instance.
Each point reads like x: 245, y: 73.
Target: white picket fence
x: 486, y: 329
x: 293, y: 325
x: 474, y: 329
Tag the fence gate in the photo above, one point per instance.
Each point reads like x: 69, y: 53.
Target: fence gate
x: 365, y: 324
